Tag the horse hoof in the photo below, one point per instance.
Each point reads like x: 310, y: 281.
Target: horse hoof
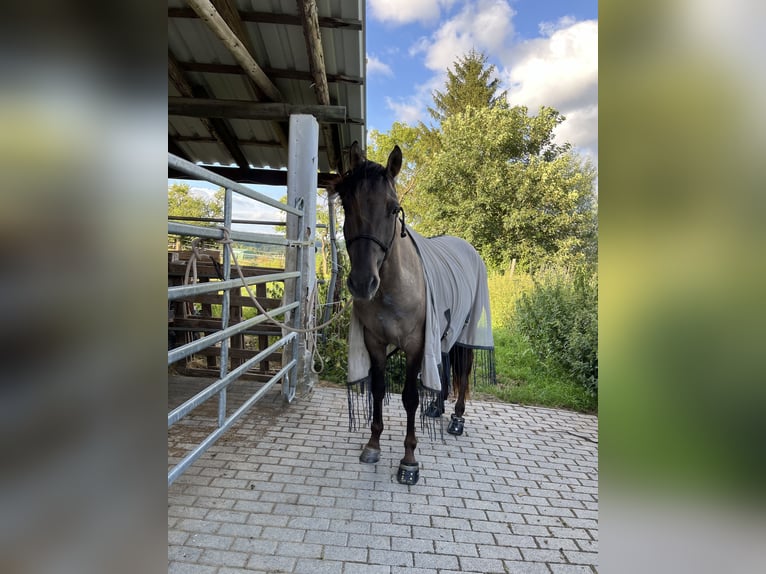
x: 433, y: 410
x: 370, y: 455
x: 408, y: 473
x: 456, y: 425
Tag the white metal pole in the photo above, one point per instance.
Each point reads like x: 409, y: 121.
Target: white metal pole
x: 302, y: 167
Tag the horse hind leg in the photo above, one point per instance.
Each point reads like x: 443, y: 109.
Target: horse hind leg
x: 462, y: 362
x: 435, y: 408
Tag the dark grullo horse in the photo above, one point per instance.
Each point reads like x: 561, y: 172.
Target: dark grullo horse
x: 390, y: 300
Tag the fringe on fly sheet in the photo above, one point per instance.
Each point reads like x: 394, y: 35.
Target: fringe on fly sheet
x: 396, y: 373
x: 483, y: 366
x: 430, y: 425
x: 359, y: 394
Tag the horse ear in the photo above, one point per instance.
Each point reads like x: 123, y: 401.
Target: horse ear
x: 394, y: 164
x: 355, y: 156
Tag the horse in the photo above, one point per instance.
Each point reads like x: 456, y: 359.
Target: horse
x: 391, y: 301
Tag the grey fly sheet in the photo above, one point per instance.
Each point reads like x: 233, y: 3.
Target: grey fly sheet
x: 457, y: 314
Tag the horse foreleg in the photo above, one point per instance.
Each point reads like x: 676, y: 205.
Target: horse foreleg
x: 371, y: 451
x: 408, y: 466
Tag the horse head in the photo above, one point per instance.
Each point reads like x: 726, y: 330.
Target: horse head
x: 368, y: 195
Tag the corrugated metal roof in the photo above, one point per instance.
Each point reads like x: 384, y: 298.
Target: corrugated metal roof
x: 279, y: 49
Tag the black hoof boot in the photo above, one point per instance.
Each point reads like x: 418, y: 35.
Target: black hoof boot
x: 408, y: 473
x: 456, y: 425
x: 370, y: 455
x: 433, y: 410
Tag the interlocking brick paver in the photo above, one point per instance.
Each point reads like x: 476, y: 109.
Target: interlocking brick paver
x: 310, y: 566
x: 345, y: 553
x: 299, y: 549
x: 581, y: 557
x: 210, y: 541
x: 440, y: 561
x: 223, y: 558
x: 188, y: 568
x: 570, y: 569
x: 485, y: 565
x: 284, y: 491
x: 504, y: 552
x: 354, y: 568
x: 391, y: 557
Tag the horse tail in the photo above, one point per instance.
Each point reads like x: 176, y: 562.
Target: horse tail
x: 461, y: 359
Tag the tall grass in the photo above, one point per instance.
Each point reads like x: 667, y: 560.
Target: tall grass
x: 525, y: 375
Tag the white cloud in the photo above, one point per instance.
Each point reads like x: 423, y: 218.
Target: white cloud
x: 246, y: 208
x: 414, y: 108
x: 581, y: 129
x: 377, y: 67
x: 406, y: 11
x: 485, y: 25
x: 560, y: 70
x: 408, y: 112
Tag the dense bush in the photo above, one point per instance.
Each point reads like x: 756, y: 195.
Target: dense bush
x: 559, y: 316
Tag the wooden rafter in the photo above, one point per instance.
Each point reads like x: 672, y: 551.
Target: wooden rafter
x: 247, y: 110
x: 227, y: 24
x: 315, y: 51
x: 254, y: 175
x: 215, y: 68
x: 269, y: 18
x: 241, y: 141
x: 209, y: 14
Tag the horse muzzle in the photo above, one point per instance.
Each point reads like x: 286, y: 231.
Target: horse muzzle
x: 363, y: 287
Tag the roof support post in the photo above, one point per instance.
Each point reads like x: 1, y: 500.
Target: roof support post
x: 303, y: 157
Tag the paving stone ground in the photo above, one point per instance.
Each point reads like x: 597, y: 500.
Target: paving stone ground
x: 284, y: 492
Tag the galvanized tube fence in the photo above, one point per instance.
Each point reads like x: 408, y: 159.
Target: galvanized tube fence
x: 177, y: 470
x: 287, y: 375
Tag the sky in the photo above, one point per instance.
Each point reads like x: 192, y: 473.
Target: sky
x: 545, y: 52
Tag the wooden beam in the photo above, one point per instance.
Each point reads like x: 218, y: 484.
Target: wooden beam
x: 230, y: 15
x: 315, y: 52
x: 242, y: 142
x: 254, y: 175
x: 208, y: 13
x: 253, y: 142
x: 270, y: 18
x: 214, y: 68
x: 247, y: 110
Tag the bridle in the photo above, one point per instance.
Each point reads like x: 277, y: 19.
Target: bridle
x: 374, y: 239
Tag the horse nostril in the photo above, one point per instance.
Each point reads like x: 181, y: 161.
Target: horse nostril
x: 364, y: 287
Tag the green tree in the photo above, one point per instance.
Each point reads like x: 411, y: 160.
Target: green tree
x: 183, y: 203
x: 498, y: 180
x: 413, y: 140
x: 470, y: 83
